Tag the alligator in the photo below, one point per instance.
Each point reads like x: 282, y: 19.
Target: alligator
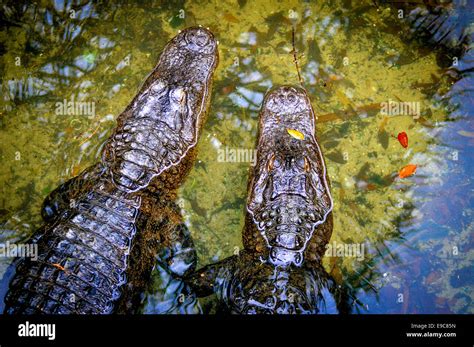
x: 288, y: 221
x: 105, y: 229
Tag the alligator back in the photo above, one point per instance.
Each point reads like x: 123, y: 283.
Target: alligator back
x: 82, y: 257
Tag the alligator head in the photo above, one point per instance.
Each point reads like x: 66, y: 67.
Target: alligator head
x: 288, y: 192
x: 162, y: 123
x: 288, y: 202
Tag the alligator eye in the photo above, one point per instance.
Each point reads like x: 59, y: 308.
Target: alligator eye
x: 270, y: 163
x: 300, y: 163
x: 158, y: 87
x: 280, y: 99
x: 307, y: 166
x: 291, y: 98
x: 178, y: 94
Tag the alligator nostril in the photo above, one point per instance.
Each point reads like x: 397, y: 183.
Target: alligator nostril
x: 307, y: 167
x: 291, y: 98
x: 198, y: 37
x: 201, y: 38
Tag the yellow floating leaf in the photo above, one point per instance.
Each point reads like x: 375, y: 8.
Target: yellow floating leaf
x: 296, y: 134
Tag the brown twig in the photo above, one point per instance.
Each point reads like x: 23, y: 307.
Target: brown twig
x: 295, y: 59
x: 88, y: 137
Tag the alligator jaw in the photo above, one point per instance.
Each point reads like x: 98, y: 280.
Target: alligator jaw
x: 288, y: 194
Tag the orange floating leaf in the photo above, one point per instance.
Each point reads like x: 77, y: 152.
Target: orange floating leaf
x: 228, y: 89
x: 403, y: 139
x: 296, y: 134
x: 407, y: 171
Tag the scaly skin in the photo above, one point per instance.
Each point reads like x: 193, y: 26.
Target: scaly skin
x: 289, y: 204
x: 288, y: 221
x: 105, y: 227
x: 245, y: 284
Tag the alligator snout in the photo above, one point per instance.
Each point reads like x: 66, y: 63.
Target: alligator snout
x: 198, y: 39
x: 287, y: 100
